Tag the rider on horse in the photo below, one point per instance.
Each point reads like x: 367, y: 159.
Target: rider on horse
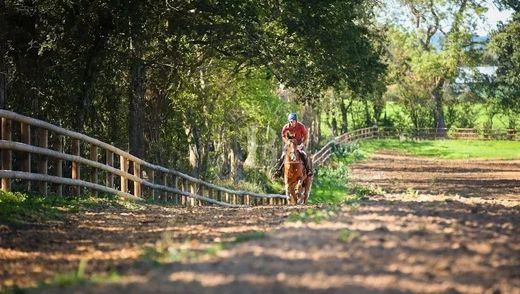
x: 299, y: 132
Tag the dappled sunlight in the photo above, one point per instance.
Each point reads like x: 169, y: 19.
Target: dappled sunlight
x: 404, y: 240
x: 112, y: 238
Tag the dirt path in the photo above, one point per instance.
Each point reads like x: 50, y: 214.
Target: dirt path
x: 440, y: 227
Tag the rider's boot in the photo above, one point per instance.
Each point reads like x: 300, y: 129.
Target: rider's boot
x: 306, y: 164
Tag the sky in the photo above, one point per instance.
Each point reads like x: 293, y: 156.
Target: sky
x: 493, y: 17
x: 393, y: 10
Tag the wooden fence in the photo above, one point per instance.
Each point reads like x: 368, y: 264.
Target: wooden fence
x: 453, y: 133
x: 326, y: 151
x: 36, y: 155
x: 51, y: 158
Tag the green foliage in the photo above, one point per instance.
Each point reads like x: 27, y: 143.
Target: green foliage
x: 175, y: 77
x: 505, y: 45
x: 331, y: 185
x: 418, y: 70
x: 22, y: 208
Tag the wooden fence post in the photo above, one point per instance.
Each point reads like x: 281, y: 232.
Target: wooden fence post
x: 94, y: 174
x: 178, y: 197
x: 7, y: 160
x: 210, y: 193
x: 25, y: 132
x: 193, y: 190
x: 59, y: 165
x: 137, y: 185
x: 165, y: 183
x: 183, y: 188
x: 123, y: 165
x: 201, y: 191
x: 75, y: 166
x: 152, y: 180
x: 110, y: 162
x: 43, y: 163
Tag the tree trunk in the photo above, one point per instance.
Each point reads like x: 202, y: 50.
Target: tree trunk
x: 3, y: 49
x: 378, y: 110
x: 252, y: 147
x: 136, y: 107
x: 368, y: 118
x: 194, y: 155
x: 3, y: 90
x: 237, y: 158
x: 316, y: 134
x: 344, y: 118
x: 438, y: 111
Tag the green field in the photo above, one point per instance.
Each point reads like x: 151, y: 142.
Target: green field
x: 448, y: 149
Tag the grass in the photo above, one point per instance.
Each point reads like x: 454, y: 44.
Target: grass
x: 346, y: 235
x: 18, y: 208
x: 167, y: 251
x: 79, y: 277
x: 313, y: 215
x: 448, y: 149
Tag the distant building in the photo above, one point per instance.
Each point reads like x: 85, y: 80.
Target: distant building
x: 473, y: 75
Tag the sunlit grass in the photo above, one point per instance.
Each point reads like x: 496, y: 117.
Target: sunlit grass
x: 448, y: 149
x: 18, y: 208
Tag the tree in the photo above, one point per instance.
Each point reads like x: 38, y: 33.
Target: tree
x: 505, y: 88
x: 428, y: 69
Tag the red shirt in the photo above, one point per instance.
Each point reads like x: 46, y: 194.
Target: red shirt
x: 299, y: 131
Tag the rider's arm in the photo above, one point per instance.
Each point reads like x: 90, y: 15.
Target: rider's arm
x: 285, y: 130
x: 305, y: 137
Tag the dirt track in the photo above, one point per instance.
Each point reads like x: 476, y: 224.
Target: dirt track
x: 440, y: 227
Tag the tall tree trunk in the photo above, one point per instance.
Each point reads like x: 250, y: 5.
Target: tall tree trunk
x: 85, y: 98
x: 344, y: 119
x: 368, y: 118
x: 136, y: 107
x: 3, y: 89
x: 316, y: 135
x: 252, y: 147
x: 436, y: 95
x: 3, y: 49
x: 378, y: 110
x: 237, y: 158
x: 194, y: 148
x: 334, y: 126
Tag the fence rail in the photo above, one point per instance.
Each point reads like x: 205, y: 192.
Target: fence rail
x: 326, y: 151
x: 453, y: 133
x: 53, y: 157
x: 39, y: 155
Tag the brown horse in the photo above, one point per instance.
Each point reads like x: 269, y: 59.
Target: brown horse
x: 297, y: 183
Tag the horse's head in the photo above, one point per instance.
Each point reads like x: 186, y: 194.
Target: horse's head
x: 291, y: 148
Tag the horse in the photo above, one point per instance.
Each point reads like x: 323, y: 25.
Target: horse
x: 297, y: 183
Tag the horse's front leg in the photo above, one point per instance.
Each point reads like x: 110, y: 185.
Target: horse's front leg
x: 288, y: 193
x: 299, y: 191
